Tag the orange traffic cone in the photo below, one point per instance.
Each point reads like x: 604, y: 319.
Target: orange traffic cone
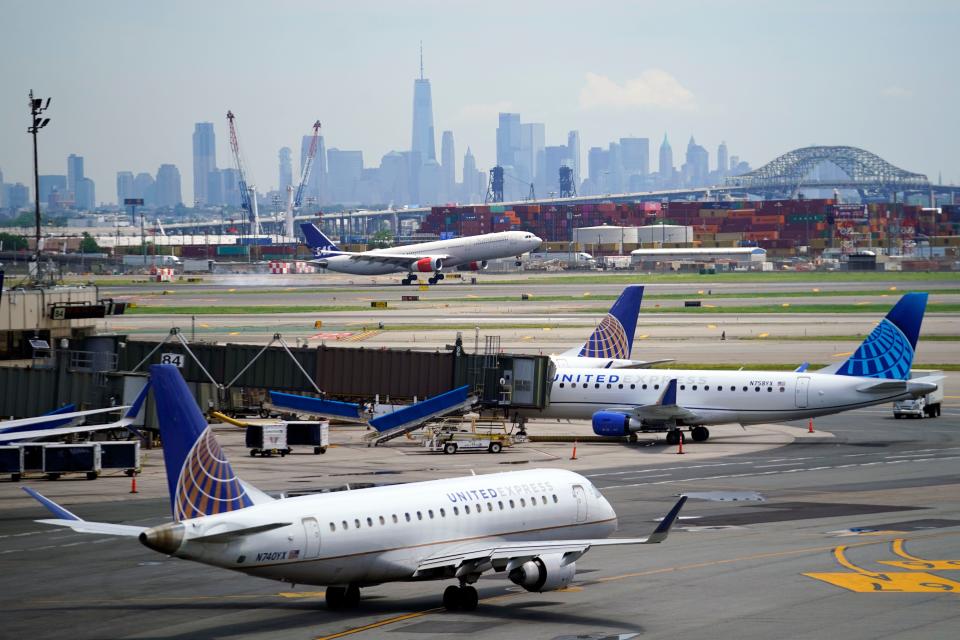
x: 574, y: 455
x: 680, y: 444
x: 810, y: 426
x: 133, y: 483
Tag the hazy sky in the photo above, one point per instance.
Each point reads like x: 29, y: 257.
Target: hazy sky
x: 129, y: 79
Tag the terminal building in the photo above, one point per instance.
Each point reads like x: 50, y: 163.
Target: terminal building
x: 751, y: 257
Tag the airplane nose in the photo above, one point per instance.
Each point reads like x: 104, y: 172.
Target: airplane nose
x: 165, y: 538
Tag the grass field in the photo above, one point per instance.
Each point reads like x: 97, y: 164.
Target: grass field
x: 704, y: 296
x: 241, y: 310
x: 816, y: 278
x: 867, y: 307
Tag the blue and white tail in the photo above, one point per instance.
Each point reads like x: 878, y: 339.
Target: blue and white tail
x: 613, y: 337
x: 316, y: 240
x: 888, y: 350
x: 199, y: 476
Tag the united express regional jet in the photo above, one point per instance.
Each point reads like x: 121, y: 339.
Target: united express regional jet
x: 530, y: 525
x: 623, y: 403
x: 465, y: 254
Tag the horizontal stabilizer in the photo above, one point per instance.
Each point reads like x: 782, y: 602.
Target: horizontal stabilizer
x: 102, y: 528
x: 883, y: 386
x: 226, y: 536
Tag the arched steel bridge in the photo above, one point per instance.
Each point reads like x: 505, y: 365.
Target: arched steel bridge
x: 865, y: 172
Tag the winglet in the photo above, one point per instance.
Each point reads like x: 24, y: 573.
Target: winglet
x: 137, y: 405
x: 669, y: 397
x: 663, y: 529
x: 51, y: 506
x: 803, y: 367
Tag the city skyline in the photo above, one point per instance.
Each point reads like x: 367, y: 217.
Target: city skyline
x: 667, y: 81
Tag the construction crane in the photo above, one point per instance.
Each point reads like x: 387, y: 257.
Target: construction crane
x: 295, y: 202
x: 248, y: 194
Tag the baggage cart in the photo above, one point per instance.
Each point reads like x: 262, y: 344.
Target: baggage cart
x: 11, y: 462
x: 267, y: 439
x: 123, y: 455
x: 314, y: 434
x: 59, y: 459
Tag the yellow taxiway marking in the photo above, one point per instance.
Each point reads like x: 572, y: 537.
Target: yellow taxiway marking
x: 586, y: 294
x: 547, y: 329
x: 913, y: 562
x: 893, y: 288
x: 302, y: 594
x: 863, y: 581
x: 644, y: 336
x: 204, y: 325
x: 845, y: 353
x: 234, y: 333
x: 763, y: 335
x: 381, y: 623
x: 816, y: 290
x: 785, y: 304
x: 711, y: 326
x: 526, y: 338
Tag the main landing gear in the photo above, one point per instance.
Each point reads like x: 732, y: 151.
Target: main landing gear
x: 343, y: 597
x: 463, y: 598
x: 408, y: 280
x: 697, y: 434
x: 437, y: 277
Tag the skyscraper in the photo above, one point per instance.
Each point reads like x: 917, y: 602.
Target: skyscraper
x: 573, y: 144
x: 723, y: 164
x: 346, y: 168
x: 635, y: 155
x: 74, y: 172
x: 508, y: 139
x: 423, y: 140
x: 666, y: 161
x: 204, y: 159
x: 448, y: 162
x: 697, y: 167
x: 532, y: 141
x: 144, y: 186
x: 471, y: 178
x: 86, y: 197
x: 554, y: 158
x: 125, y: 187
x: 167, y: 186
x: 49, y: 184
x: 285, y: 179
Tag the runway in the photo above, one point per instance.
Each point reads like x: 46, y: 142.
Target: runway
x: 734, y: 569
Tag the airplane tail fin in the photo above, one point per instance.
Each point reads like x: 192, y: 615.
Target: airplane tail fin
x: 613, y: 337
x: 199, y: 476
x: 888, y: 350
x: 315, y: 238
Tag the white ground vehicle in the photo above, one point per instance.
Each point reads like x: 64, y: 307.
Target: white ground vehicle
x: 924, y: 406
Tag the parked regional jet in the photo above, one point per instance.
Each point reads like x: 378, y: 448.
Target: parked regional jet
x: 621, y: 404
x: 610, y: 344
x: 532, y: 525
x: 466, y: 254
x: 49, y: 425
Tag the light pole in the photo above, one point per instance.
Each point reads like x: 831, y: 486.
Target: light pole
x: 37, y: 107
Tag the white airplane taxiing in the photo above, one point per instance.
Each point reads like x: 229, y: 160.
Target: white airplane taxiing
x: 623, y: 403
x: 465, y: 254
x: 610, y: 344
x: 530, y: 525
x: 56, y: 424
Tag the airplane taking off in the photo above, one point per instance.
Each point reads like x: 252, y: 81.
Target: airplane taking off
x: 610, y: 344
x: 531, y: 525
x: 622, y: 404
x: 466, y: 254
x: 49, y: 425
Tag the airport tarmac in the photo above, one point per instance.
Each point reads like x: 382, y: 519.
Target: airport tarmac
x: 812, y: 560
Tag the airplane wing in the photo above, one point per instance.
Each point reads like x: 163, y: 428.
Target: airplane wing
x: 399, y: 259
x: 499, y: 554
x: 126, y: 421
x: 664, y: 410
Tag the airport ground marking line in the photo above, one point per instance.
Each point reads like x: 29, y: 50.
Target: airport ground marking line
x: 782, y: 464
x: 381, y: 623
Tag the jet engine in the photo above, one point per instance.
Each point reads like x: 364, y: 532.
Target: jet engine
x: 543, y: 573
x: 426, y: 265
x: 473, y: 266
x: 611, y: 423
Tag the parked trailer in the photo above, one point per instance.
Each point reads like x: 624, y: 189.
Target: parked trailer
x: 314, y: 434
x: 59, y: 459
x: 451, y: 436
x: 11, y: 461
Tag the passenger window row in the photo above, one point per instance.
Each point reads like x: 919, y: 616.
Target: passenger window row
x: 478, y: 508
x: 683, y: 387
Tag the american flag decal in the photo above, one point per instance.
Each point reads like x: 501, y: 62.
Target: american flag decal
x: 293, y: 555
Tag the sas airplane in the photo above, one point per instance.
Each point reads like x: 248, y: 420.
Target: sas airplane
x: 531, y: 525
x: 465, y: 254
x: 60, y: 423
x: 624, y: 403
x: 610, y: 344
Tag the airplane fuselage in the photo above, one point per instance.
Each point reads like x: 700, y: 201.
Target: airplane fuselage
x: 717, y: 397
x: 459, y: 252
x: 382, y: 534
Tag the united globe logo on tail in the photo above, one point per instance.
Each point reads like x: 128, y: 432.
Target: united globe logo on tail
x: 207, y: 483
x: 609, y: 340
x: 889, y: 349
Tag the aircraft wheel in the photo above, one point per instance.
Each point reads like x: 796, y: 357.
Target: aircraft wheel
x: 699, y: 434
x: 451, y: 598
x: 673, y: 437
x: 897, y: 416
x: 633, y: 438
x: 336, y: 597
x: 431, y: 280
x: 468, y: 598
x: 495, y: 447
x: 351, y: 598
